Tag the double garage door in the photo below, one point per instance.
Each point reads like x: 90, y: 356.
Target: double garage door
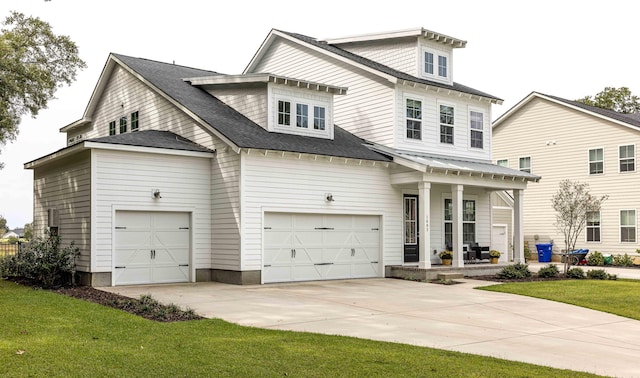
x: 306, y: 247
x: 151, y: 247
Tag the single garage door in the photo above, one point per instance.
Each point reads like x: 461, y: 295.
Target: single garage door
x: 306, y: 247
x: 151, y: 247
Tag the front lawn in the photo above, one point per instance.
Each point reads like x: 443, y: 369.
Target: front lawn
x: 47, y: 334
x: 620, y: 297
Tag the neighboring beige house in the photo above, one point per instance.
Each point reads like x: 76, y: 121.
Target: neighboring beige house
x: 323, y: 160
x: 561, y: 139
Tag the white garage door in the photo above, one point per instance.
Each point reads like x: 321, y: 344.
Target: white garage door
x: 306, y: 247
x: 151, y: 247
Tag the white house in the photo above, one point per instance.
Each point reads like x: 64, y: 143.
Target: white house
x: 561, y: 139
x: 323, y: 160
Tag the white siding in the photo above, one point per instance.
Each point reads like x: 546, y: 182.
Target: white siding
x: 397, y: 54
x: 366, y: 110
x: 66, y: 187
x: 225, y: 198
x: 558, y: 140
x: 125, y: 180
x: 251, y: 102
x: 288, y: 184
x: 430, y: 142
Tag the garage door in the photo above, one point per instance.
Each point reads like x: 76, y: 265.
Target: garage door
x: 151, y: 247
x: 305, y: 247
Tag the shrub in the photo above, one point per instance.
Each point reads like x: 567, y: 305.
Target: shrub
x: 622, y: 260
x: 42, y: 261
x: 600, y: 274
x: 595, y: 258
x: 518, y: 270
x: 576, y: 273
x: 549, y: 271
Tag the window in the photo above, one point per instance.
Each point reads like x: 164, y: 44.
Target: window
x: 284, y: 113
x: 468, y: 221
x: 112, y: 128
x: 318, y: 117
x: 477, y: 127
x: 446, y: 124
x: 503, y: 163
x: 525, y: 164
x: 627, y: 156
x: 593, y: 226
x: 123, y: 125
x: 428, y: 63
x: 134, y: 121
x: 596, y: 161
x: 442, y: 66
x: 410, y: 220
x: 627, y: 226
x: 414, y: 119
x: 302, y: 116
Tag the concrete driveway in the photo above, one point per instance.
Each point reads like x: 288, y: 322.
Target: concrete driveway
x: 451, y: 317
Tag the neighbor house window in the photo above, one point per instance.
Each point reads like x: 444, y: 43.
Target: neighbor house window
x: 627, y: 156
x: 428, y: 63
x: 318, y: 117
x: 134, y: 121
x: 593, y: 226
x: 446, y: 124
x: 284, y: 113
x: 112, y: 128
x: 525, y: 164
x: 302, y: 115
x: 468, y: 221
x: 477, y: 129
x: 442, y: 66
x: 123, y: 125
x: 503, y: 163
x: 596, y: 161
x: 414, y: 119
x: 627, y: 226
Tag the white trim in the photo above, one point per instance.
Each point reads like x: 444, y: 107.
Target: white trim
x: 437, y: 54
x: 93, y: 206
x: 499, y: 160
x: 149, y: 150
x: 603, y: 162
x: 634, y: 157
x: 415, y: 32
x: 530, y: 163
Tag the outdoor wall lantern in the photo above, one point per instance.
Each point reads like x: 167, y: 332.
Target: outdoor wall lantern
x: 328, y: 197
x: 156, y: 194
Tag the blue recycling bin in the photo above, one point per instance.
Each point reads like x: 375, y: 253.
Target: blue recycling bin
x: 544, y: 252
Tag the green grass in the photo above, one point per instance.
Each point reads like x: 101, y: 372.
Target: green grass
x: 620, y: 297
x: 63, y: 336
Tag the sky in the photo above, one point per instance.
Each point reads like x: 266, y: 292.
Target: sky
x: 569, y: 49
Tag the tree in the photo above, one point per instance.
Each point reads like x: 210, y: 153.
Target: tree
x: 34, y: 63
x: 28, y: 231
x: 573, y: 204
x: 617, y: 99
x: 3, y: 226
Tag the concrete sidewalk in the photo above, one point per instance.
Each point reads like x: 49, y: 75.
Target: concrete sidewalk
x: 451, y: 317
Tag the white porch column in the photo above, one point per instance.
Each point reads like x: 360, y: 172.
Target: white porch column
x: 456, y: 199
x: 424, y: 237
x: 518, y: 228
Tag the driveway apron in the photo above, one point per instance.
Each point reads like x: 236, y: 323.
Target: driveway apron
x: 450, y: 317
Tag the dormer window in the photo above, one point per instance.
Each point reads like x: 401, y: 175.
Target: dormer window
x: 134, y: 121
x: 436, y: 64
x: 318, y: 117
x: 284, y: 113
x: 112, y: 128
x: 123, y: 125
x: 303, y: 114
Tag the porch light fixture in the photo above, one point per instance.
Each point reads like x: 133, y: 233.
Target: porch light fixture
x: 328, y: 197
x: 156, y: 194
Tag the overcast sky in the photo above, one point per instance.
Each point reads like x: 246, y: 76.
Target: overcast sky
x: 565, y: 48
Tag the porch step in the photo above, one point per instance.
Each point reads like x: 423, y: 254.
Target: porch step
x: 450, y: 276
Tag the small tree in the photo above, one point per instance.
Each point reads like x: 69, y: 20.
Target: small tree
x: 573, y: 203
x: 619, y: 100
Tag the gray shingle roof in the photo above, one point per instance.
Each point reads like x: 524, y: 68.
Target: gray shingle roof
x: 154, y: 139
x: 385, y: 69
x: 631, y: 119
x: 240, y: 130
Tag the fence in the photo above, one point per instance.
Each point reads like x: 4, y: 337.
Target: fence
x: 8, y: 249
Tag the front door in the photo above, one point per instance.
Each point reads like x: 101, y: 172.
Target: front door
x: 411, y: 228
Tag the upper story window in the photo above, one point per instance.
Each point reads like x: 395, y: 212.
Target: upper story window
x: 446, y: 124
x: 476, y: 120
x: 627, y: 157
x: 596, y: 161
x: 284, y: 113
x: 525, y: 164
x: 123, y: 125
x: 301, y: 113
x: 112, y: 128
x: 435, y: 64
x: 414, y: 119
x: 302, y: 116
x: 503, y: 162
x: 134, y: 121
x: 319, y: 117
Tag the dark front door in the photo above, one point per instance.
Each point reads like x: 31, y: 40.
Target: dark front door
x: 411, y: 228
